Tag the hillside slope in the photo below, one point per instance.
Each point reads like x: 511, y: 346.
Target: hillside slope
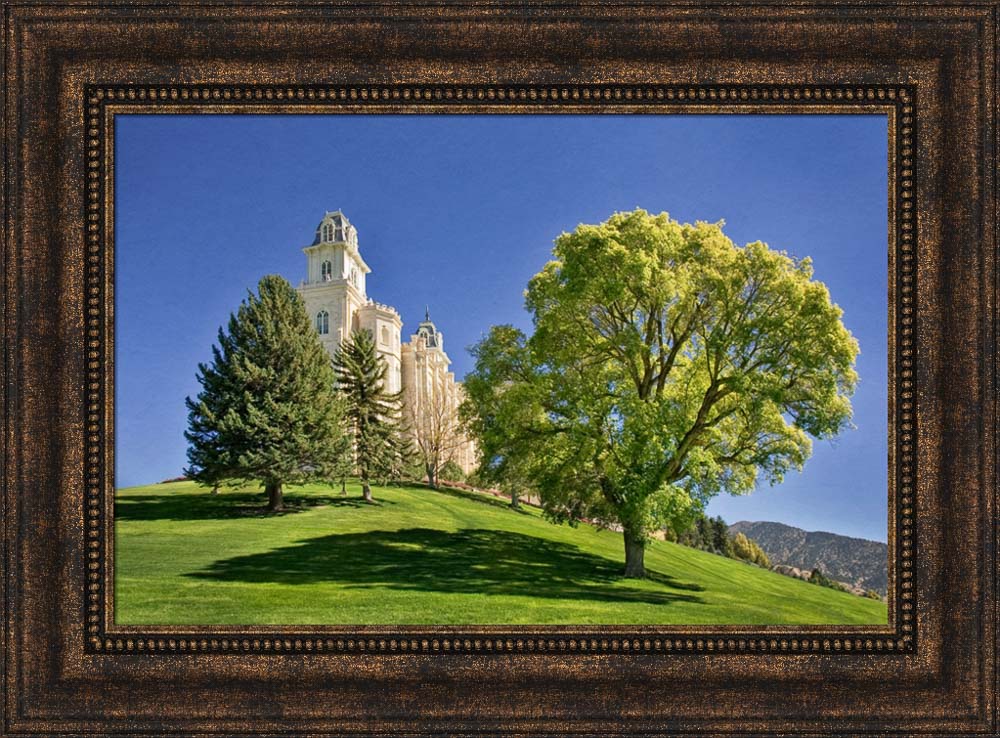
x: 183, y: 556
x: 853, y: 560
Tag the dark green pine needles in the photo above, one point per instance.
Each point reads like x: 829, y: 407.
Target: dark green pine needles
x: 380, y: 447
x: 268, y: 411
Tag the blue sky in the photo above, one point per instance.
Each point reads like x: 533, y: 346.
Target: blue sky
x: 457, y: 213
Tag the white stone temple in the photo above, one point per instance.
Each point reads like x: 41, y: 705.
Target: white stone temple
x: 336, y: 298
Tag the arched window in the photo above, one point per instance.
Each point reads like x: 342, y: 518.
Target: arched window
x: 322, y: 322
x: 326, y: 270
x: 385, y: 336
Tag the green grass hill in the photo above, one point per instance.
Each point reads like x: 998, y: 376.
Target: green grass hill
x: 183, y: 556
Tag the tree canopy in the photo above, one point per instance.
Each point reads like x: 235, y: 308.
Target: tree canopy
x: 667, y: 365
x: 267, y: 411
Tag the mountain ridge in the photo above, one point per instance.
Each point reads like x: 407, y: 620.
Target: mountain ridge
x: 857, y: 561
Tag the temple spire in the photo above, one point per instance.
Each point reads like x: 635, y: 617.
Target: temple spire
x: 427, y: 313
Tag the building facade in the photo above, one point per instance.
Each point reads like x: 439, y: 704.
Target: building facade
x: 336, y: 298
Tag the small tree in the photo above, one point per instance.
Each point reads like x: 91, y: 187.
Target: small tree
x: 748, y: 550
x: 705, y: 533
x: 380, y: 449
x: 818, y: 577
x: 267, y: 411
x: 437, y: 434
x: 688, y: 535
x: 759, y: 557
x: 499, y: 397
x: 741, y: 547
x: 514, y: 488
x: 721, y: 541
x: 452, y: 472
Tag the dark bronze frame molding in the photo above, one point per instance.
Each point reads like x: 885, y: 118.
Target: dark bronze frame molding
x: 104, y: 102
x: 69, y: 68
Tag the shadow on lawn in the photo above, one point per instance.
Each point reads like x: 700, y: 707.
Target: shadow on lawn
x: 473, y: 561
x: 482, y: 498
x: 224, y: 505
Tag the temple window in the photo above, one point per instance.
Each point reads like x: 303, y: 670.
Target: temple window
x: 322, y: 322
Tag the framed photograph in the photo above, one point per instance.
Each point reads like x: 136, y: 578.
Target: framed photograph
x: 481, y: 369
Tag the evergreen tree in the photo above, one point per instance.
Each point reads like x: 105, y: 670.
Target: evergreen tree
x: 818, y: 577
x: 267, y: 411
x: 380, y: 449
x: 704, y: 527
x: 720, y: 537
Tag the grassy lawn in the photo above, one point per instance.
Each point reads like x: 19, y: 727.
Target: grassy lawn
x: 418, y: 557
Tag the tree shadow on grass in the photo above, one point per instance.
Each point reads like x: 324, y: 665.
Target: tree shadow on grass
x: 223, y: 506
x: 472, y: 561
x: 482, y: 498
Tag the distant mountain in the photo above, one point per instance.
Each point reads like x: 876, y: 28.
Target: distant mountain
x: 856, y: 561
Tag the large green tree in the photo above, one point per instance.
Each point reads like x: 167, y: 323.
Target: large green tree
x: 267, y: 411
x: 667, y: 365
x: 381, y: 449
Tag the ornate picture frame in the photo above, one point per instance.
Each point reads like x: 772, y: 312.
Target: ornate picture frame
x: 69, y: 69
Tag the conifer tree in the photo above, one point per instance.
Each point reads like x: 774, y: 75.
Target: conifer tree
x: 721, y: 541
x: 267, y: 411
x: 380, y: 449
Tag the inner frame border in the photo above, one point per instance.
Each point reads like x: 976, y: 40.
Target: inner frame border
x: 103, y: 102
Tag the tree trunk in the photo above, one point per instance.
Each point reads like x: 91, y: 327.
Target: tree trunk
x: 275, y: 499
x: 432, y: 476
x: 366, y: 489
x: 515, y: 499
x: 343, y: 487
x: 635, y: 551
x: 215, y: 489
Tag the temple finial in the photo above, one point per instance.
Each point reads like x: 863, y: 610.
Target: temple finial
x: 427, y: 313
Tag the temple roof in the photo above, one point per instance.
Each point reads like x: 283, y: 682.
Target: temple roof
x: 428, y: 330
x: 338, y: 219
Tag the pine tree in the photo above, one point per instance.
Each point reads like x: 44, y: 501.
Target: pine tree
x: 267, y: 411
x: 704, y: 528
x: 720, y: 537
x: 380, y: 449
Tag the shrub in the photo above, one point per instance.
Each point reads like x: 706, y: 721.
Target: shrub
x: 818, y: 577
x: 452, y: 472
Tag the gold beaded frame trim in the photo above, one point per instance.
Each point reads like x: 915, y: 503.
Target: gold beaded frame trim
x: 103, y: 102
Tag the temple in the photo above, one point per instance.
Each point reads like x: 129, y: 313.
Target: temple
x: 336, y: 297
